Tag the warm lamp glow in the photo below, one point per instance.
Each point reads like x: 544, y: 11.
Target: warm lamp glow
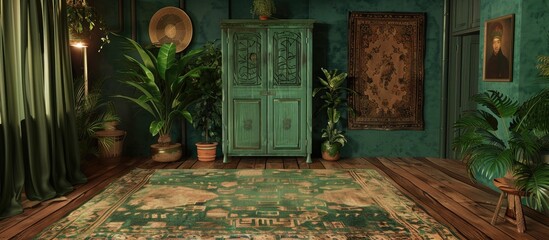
x: 79, y: 44
x: 84, y: 47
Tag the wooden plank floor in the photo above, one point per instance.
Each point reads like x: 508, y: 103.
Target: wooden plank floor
x: 440, y: 186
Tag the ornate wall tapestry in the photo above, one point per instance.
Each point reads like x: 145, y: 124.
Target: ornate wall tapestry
x: 386, y: 52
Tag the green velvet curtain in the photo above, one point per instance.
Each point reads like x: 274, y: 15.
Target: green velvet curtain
x: 39, y: 147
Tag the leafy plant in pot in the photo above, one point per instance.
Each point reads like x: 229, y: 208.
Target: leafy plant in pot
x: 91, y: 112
x: 165, y: 91
x: 263, y: 8
x: 333, y: 96
x: 110, y: 140
x: 206, y: 110
x: 506, y: 138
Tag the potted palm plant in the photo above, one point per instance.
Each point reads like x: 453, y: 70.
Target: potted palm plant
x: 92, y: 113
x: 165, y: 91
x: 110, y: 140
x: 263, y: 8
x: 206, y: 110
x: 333, y: 97
x: 506, y: 137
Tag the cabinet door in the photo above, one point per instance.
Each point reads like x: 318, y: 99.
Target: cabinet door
x: 469, y: 72
x: 475, y: 13
x: 247, y: 91
x: 460, y: 15
x: 462, y: 83
x: 287, y: 108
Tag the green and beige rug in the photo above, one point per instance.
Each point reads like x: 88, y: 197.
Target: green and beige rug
x: 249, y: 204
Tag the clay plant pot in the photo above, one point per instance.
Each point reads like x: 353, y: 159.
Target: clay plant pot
x: 262, y: 17
x: 206, y: 151
x: 110, y: 125
x: 326, y: 156
x: 162, y: 152
x: 110, y: 143
x: 329, y: 151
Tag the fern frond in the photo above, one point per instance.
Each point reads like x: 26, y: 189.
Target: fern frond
x: 498, y: 103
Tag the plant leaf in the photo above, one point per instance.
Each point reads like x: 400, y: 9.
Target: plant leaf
x: 165, y: 59
x: 156, y: 126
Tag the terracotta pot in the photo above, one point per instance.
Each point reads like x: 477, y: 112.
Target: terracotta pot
x: 206, y: 151
x: 261, y: 17
x: 110, y: 125
x: 326, y: 156
x: 162, y: 152
x: 329, y: 151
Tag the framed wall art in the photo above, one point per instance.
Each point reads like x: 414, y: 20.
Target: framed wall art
x: 498, y: 49
x: 386, y: 54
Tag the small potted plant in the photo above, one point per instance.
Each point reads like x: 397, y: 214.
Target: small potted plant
x: 110, y: 139
x: 165, y: 90
x: 333, y: 96
x: 263, y: 8
x: 93, y: 114
x: 206, y: 111
x: 88, y: 116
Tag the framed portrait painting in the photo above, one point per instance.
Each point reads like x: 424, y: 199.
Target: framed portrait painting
x: 498, y: 49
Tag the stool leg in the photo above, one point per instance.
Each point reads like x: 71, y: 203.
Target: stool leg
x: 510, y: 211
x: 521, y: 225
x: 498, y: 206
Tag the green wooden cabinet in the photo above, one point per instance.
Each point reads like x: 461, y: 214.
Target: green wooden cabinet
x: 267, y: 84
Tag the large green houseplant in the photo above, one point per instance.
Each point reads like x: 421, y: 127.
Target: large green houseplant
x: 333, y: 98
x: 506, y: 137
x: 164, y: 86
x: 206, y: 111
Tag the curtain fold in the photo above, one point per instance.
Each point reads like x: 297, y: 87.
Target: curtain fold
x: 37, y: 105
x: 11, y: 114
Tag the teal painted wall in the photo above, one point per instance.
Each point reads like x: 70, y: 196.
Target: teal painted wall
x: 494, y: 9
x: 534, y: 41
x: 531, y: 39
x: 330, y: 51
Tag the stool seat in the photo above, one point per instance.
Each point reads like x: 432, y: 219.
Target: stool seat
x: 514, y: 212
x: 506, y: 185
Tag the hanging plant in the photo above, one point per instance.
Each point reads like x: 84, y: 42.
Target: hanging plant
x: 83, y: 20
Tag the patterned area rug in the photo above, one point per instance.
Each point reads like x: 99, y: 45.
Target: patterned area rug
x: 249, y: 204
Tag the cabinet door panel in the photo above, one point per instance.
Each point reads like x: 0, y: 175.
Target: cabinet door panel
x: 287, y: 124
x: 475, y: 13
x: 287, y: 58
x: 247, y: 125
x: 246, y: 57
x: 247, y: 77
x: 287, y: 90
x: 460, y: 15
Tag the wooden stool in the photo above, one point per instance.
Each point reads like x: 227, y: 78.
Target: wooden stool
x: 513, y: 213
